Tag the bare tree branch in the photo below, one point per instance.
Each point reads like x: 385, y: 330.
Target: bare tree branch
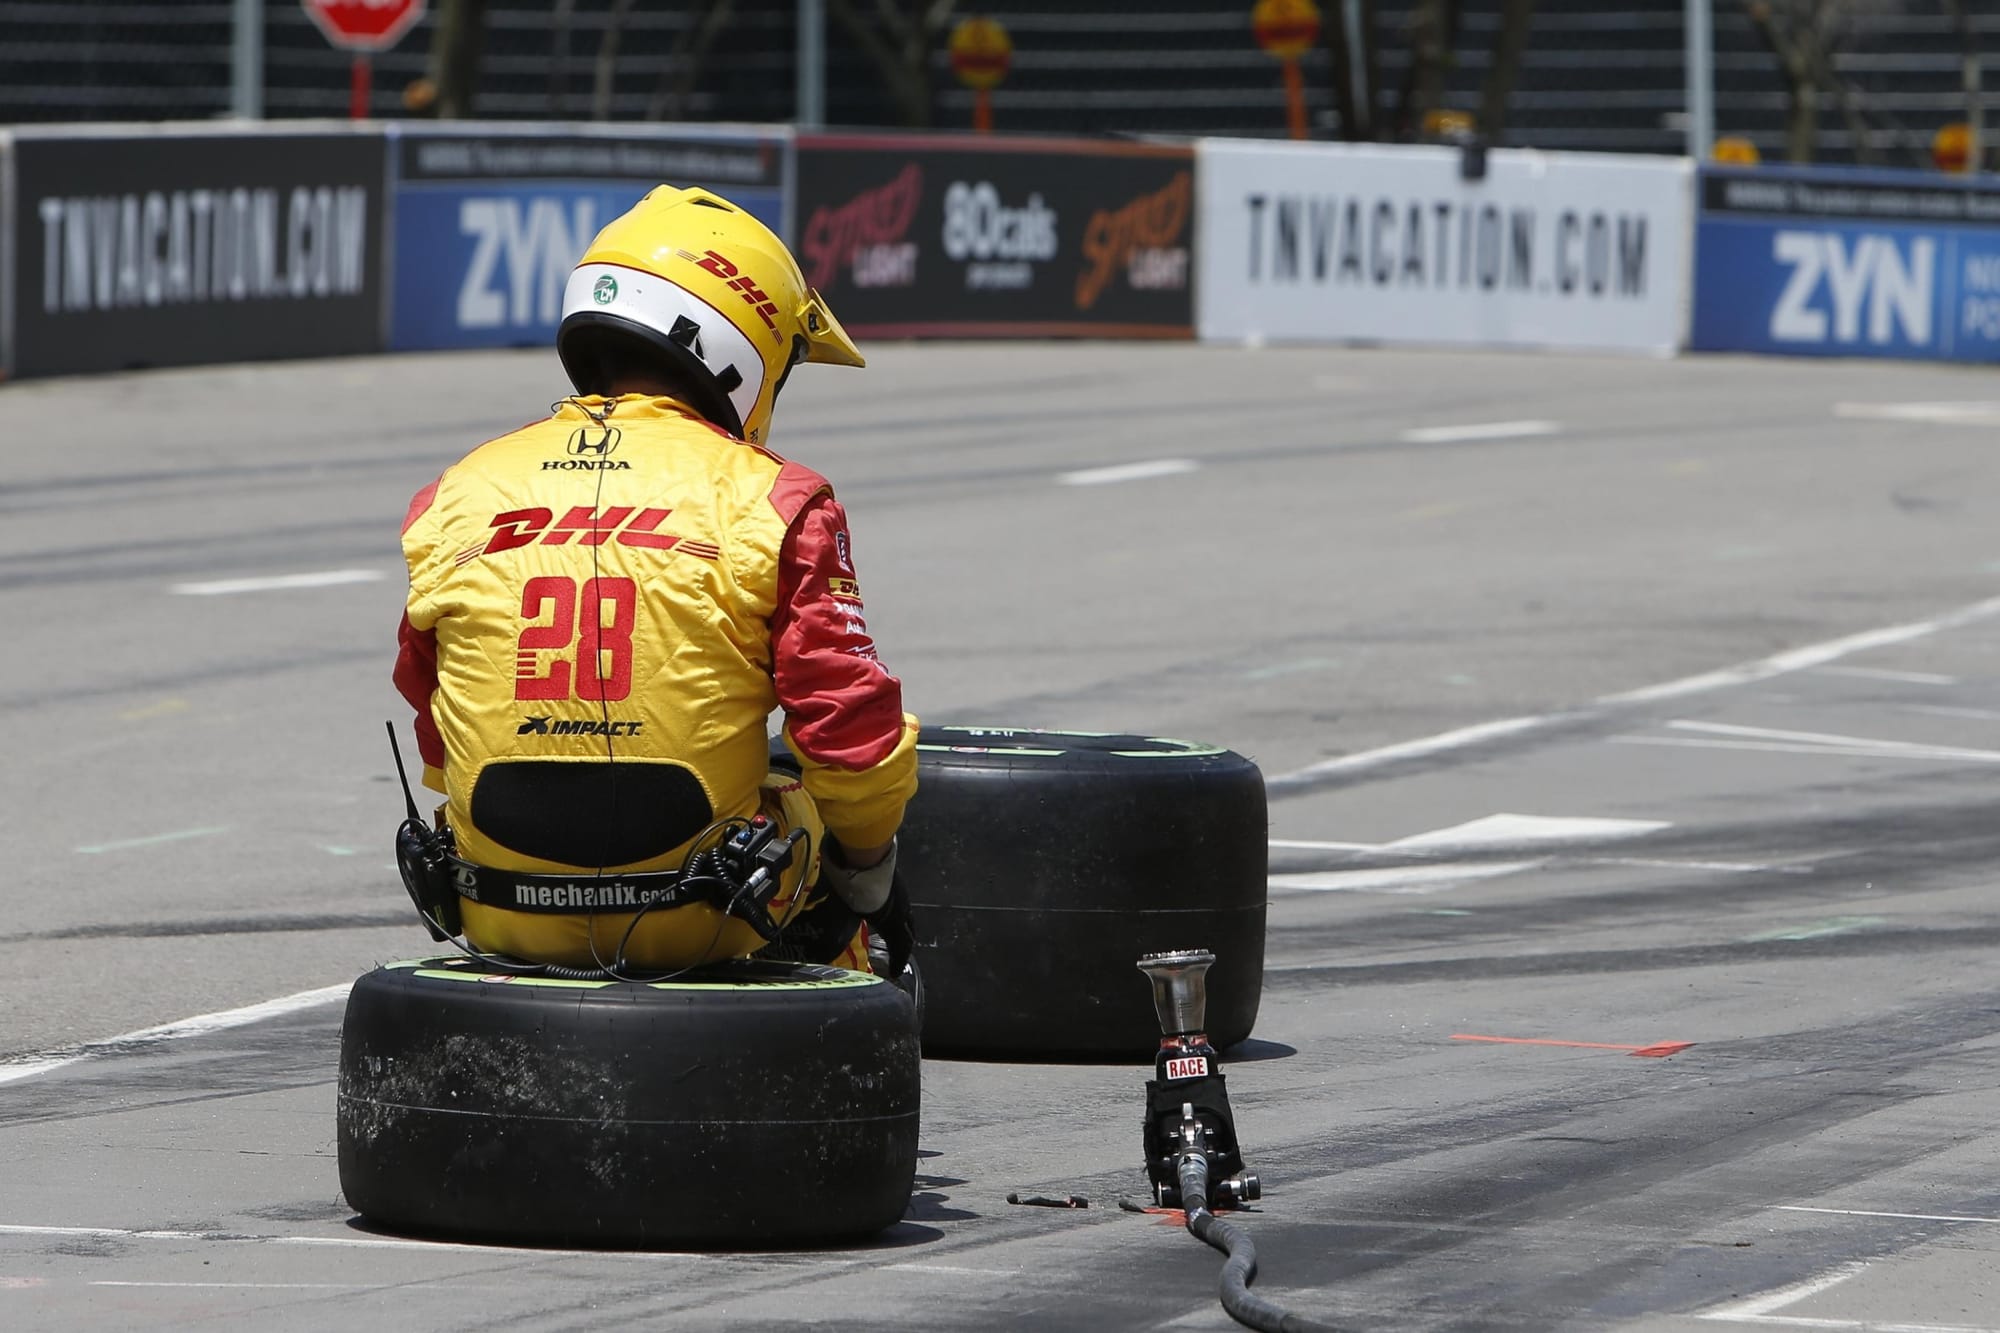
x: 900, y: 49
x: 561, y: 21
x: 607, y: 60
x: 1433, y: 47
x: 456, y: 44
x: 1501, y: 75
x: 1969, y: 80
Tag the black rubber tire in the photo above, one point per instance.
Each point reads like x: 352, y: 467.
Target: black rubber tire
x: 1041, y: 865
x: 751, y: 1104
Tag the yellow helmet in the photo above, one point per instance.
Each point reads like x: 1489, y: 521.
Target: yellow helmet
x: 695, y: 283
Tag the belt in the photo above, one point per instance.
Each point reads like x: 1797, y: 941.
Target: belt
x: 564, y: 894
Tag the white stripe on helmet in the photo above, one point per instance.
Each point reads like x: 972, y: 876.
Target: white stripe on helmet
x: 647, y: 299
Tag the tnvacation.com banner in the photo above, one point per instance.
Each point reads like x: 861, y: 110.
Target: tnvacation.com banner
x: 912, y: 237
x: 1367, y: 243
x: 188, y: 246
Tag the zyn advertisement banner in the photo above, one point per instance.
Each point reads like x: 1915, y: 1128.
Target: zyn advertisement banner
x: 1845, y: 263
x: 185, y: 246
x: 1367, y: 243
x: 490, y: 220
x: 912, y: 237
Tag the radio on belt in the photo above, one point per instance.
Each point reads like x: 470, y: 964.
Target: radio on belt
x: 1188, y: 1121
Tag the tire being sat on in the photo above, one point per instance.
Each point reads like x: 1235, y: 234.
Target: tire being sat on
x: 748, y: 1104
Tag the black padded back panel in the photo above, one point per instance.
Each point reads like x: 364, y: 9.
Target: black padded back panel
x: 589, y: 814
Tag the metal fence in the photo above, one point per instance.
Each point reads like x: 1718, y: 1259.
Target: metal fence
x: 1595, y: 75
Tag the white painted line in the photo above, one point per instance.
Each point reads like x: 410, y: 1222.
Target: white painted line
x: 325, y: 578
x: 1812, y: 655
x: 1103, y: 476
x: 1824, y: 751
x: 1399, y: 879
x: 1863, y: 1212
x: 441, y: 1246
x: 1857, y: 1325
x: 152, y: 841
x: 1505, y: 830
x: 1303, y: 845
x: 1838, y: 743
x: 199, y: 1025
x: 1796, y: 659
x: 1726, y: 867
x: 343, y: 1242
x: 1484, y: 430
x: 1772, y: 1301
x: 1441, y: 743
x: 1878, y: 673
x: 1943, y: 710
x: 1943, y: 414
x: 260, y: 1286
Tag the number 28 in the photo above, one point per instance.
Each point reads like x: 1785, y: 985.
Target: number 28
x: 603, y: 666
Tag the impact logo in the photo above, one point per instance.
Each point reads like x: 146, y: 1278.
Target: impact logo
x: 606, y: 290
x: 1143, y: 238
x: 547, y: 726
x: 866, y: 235
x: 1894, y: 287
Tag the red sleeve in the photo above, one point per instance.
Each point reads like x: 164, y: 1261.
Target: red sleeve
x: 416, y: 679
x: 842, y: 706
x: 420, y: 504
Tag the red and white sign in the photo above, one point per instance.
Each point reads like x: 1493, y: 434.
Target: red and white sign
x: 364, y: 25
x: 1187, y: 1066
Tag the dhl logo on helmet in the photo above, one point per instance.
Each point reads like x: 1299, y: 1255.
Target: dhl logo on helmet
x: 744, y: 286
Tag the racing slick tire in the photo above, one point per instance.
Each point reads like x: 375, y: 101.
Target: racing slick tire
x: 749, y: 1104
x: 1041, y: 865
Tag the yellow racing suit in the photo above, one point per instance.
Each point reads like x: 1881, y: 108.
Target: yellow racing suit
x: 604, y: 610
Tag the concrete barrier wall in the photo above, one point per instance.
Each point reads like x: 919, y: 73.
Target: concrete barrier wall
x: 189, y: 244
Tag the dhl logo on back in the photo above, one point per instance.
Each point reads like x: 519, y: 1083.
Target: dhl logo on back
x: 626, y: 525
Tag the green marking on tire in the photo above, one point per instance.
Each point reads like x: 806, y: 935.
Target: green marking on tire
x: 487, y: 978
x: 1173, y: 749
x: 1026, y: 731
x: 844, y: 982
x: 1186, y: 750
x: 986, y: 749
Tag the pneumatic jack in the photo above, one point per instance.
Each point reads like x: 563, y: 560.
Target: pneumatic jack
x: 1192, y: 1156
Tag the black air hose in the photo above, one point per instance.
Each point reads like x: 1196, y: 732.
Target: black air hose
x: 1240, y: 1265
